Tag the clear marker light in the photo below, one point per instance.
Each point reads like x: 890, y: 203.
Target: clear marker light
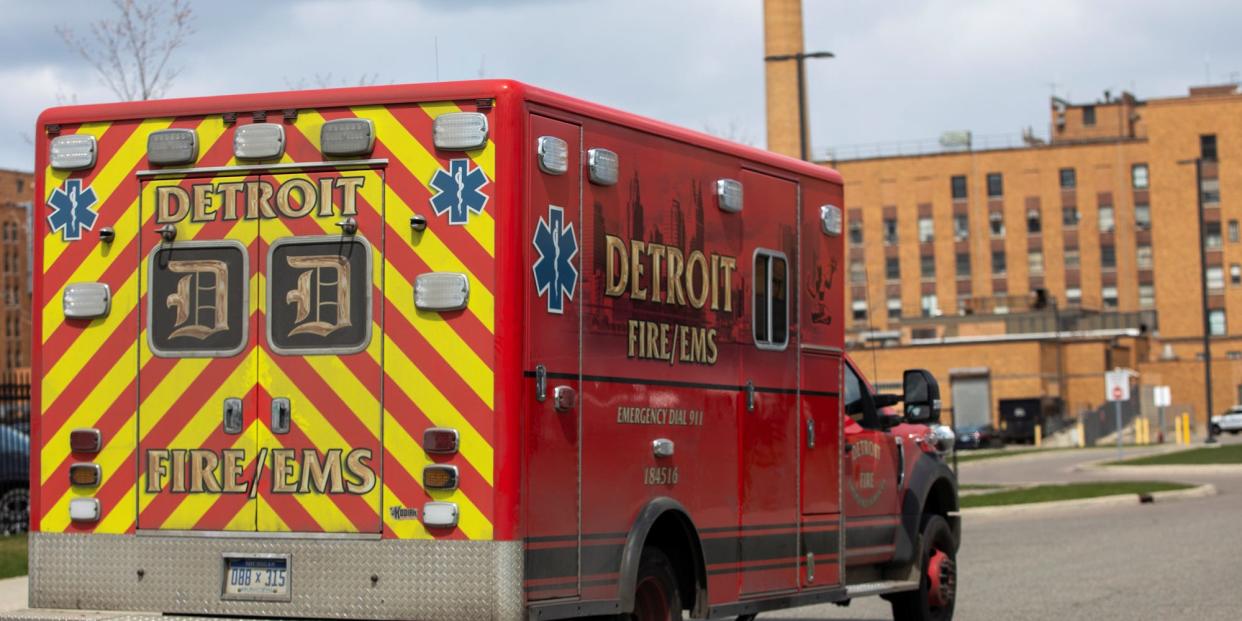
x: 344, y: 137
x: 73, y: 152
x: 459, y: 131
x: 172, y: 146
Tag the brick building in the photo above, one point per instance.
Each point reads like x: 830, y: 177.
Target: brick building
x: 1040, y: 263
x: 16, y: 199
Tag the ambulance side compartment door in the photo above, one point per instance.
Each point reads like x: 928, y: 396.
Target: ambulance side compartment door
x: 552, y: 226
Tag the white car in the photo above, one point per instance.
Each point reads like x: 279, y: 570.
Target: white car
x: 1230, y: 421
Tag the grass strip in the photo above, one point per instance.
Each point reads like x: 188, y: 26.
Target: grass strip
x: 1069, y: 491
x: 12, y: 556
x: 1229, y: 454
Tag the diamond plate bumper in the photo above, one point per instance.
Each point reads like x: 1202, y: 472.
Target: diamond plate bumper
x: 72, y: 574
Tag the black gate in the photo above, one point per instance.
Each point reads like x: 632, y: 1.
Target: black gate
x: 14, y: 454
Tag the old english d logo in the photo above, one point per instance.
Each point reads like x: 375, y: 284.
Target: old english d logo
x: 198, y: 299
x: 202, y: 296
x: 319, y: 295
x: 322, y: 291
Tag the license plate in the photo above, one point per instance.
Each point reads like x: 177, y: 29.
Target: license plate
x: 256, y: 577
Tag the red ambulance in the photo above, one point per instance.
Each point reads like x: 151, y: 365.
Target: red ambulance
x: 469, y: 350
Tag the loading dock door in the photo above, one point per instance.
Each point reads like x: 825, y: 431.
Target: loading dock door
x: 972, y: 397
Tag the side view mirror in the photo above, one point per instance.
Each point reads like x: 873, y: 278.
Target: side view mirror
x: 921, y: 395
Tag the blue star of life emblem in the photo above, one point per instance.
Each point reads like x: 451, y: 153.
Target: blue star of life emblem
x: 72, y: 209
x: 459, y: 191
x: 555, y: 273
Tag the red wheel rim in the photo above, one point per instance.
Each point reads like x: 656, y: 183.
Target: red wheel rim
x: 941, y: 580
x: 650, y: 601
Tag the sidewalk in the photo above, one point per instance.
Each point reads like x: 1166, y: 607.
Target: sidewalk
x: 13, y: 593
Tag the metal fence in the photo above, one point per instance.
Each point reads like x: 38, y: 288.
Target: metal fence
x: 14, y: 454
x: 1102, y: 422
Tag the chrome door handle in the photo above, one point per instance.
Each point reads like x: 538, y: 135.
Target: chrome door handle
x: 810, y: 433
x: 168, y: 232
x: 280, y: 415
x: 232, y: 416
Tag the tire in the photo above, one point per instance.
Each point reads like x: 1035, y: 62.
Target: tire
x: 655, y: 594
x: 1216, y: 430
x: 750, y: 617
x: 14, y: 511
x: 937, y: 593
x: 1233, y: 432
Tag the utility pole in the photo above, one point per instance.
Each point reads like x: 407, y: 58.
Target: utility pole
x: 1203, y: 297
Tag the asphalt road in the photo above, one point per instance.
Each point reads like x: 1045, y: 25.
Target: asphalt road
x: 1176, y: 560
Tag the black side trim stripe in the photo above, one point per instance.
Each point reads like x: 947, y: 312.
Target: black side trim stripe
x: 609, y: 379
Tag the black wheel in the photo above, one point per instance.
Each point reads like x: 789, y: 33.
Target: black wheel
x: 1215, y: 430
x: 15, y: 511
x: 1233, y: 432
x: 937, y: 592
x: 750, y: 617
x: 655, y: 595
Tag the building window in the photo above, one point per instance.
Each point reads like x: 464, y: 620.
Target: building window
x: 859, y: 308
x: 1233, y: 231
x: 1071, y: 258
x: 929, y: 307
x: 1033, y: 224
x: 1211, y: 191
x: 858, y: 272
x: 1069, y: 216
x: 1088, y: 116
x: 957, y: 184
x: 1207, y: 146
x: 996, y: 185
x: 1138, y: 176
x: 1211, y: 235
x: 1235, y: 274
x: 996, y: 223
x: 1143, y: 256
x: 1069, y: 179
x: 1109, y: 296
x: 962, y: 261
x: 856, y: 232
x: 771, y: 312
x: 1142, y: 216
x: 926, y: 229
x: 890, y: 230
x: 892, y: 268
x: 894, y: 308
x: 21, y: 185
x: 1147, y: 296
x: 927, y: 266
x: 1215, y: 278
x: 1106, y: 218
x: 1035, y: 262
x: 1216, y: 322
x: 1073, y: 296
x: 998, y: 262
x: 1108, y: 257
x: 961, y: 227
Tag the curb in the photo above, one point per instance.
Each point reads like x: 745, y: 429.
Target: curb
x: 1103, y: 465
x: 1201, y: 491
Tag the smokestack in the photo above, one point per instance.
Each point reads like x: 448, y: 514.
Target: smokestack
x: 782, y: 34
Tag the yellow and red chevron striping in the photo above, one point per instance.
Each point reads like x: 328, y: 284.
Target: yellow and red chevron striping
x: 435, y: 370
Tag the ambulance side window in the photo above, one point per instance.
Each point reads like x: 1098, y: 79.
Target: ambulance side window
x: 853, y: 396
x: 770, y: 311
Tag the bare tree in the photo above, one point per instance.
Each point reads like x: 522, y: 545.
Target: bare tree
x: 731, y: 131
x: 131, y: 52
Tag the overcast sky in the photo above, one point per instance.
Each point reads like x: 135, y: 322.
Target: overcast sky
x: 905, y: 69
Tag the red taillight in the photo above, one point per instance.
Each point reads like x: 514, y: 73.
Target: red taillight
x: 85, y: 441
x: 440, y: 441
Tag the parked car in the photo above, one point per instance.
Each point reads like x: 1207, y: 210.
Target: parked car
x: 978, y: 436
x: 14, y: 480
x: 1230, y: 421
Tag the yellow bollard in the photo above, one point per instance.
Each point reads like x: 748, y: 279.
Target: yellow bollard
x: 1146, y: 432
x: 1138, y: 431
x: 1082, y: 436
x: 1039, y: 436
